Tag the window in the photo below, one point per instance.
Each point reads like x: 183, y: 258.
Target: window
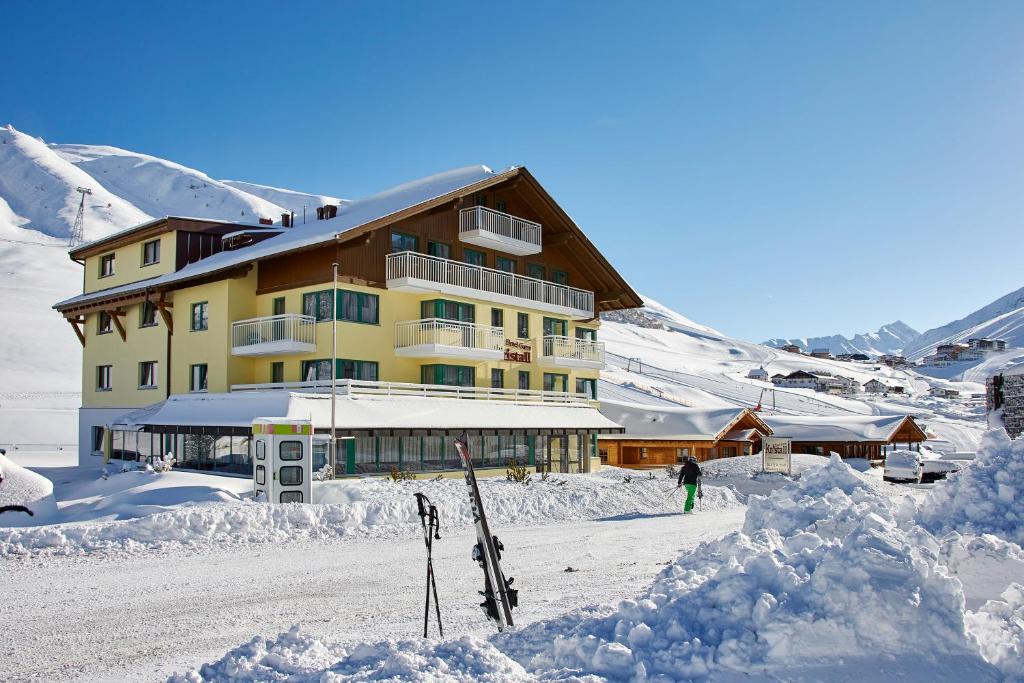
x: 474, y: 257
x: 278, y: 305
x: 97, y: 440
x: 448, y: 375
x: 501, y: 205
x: 147, y: 314
x: 524, y: 379
x: 291, y: 496
x: 588, y: 387
x: 560, y: 277
x: 261, y: 475
x: 277, y: 372
x: 147, y: 374
x: 523, y: 325
x: 261, y: 451
x: 354, y: 307
x: 553, y: 382
x: 106, y: 265
x: 586, y: 333
x: 506, y: 264
x: 439, y: 249
x: 320, y: 369
x: 200, y: 316
x: 553, y: 327
x: 104, y: 374
x: 497, y: 378
x: 536, y: 270
x: 402, y: 242
x: 104, y: 323
x: 480, y: 200
x: 497, y: 317
x: 448, y: 310
x: 290, y: 450
x: 151, y: 253
x: 197, y: 377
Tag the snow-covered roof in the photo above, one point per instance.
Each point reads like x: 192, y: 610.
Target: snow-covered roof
x: 835, y: 427
x: 239, y: 409
x: 354, y: 215
x: 669, y: 423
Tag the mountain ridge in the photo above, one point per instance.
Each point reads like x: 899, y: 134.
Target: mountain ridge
x: 890, y: 338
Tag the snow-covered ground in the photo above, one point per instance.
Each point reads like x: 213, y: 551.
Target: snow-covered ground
x: 829, y: 578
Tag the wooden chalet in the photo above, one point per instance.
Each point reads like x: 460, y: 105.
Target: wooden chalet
x: 851, y: 436
x: 656, y: 436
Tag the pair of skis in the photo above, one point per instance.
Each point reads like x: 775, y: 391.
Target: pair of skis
x: 499, y: 596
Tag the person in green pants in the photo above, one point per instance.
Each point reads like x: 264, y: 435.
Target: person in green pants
x: 689, y: 476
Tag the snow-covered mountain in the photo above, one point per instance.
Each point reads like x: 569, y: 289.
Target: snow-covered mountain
x: 891, y: 338
x: 38, y: 204
x: 1001, y: 319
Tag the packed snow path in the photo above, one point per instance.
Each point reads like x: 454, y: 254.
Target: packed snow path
x: 106, y: 619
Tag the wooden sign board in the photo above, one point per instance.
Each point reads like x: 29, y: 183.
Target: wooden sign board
x: 777, y: 455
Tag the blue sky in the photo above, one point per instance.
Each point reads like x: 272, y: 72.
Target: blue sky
x: 770, y: 169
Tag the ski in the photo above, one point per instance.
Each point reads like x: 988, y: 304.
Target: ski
x: 499, y: 596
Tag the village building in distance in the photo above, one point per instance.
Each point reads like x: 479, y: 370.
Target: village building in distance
x: 658, y: 436
x: 465, y: 301
x: 851, y: 436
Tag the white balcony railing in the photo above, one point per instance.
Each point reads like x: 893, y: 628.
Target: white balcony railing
x: 498, y: 230
x: 437, y: 337
x: 369, y: 389
x: 412, y: 271
x: 571, y: 352
x: 273, y: 334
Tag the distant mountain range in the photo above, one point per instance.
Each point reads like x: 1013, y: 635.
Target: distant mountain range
x: 1001, y: 319
x: 891, y: 338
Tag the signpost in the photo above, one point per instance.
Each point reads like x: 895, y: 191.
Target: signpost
x: 776, y: 454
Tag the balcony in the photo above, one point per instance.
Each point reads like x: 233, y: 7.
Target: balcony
x: 568, y: 352
x: 409, y: 271
x: 492, y: 229
x: 437, y: 338
x: 401, y: 390
x: 273, y: 335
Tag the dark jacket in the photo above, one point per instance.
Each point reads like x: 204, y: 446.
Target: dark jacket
x: 690, y: 473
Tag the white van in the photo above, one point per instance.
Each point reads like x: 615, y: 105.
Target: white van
x: 904, y: 467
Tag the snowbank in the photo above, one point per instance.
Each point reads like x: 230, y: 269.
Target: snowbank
x: 19, y: 486
x: 297, y: 656
x: 376, y: 507
x: 829, y: 578
x: 984, y: 497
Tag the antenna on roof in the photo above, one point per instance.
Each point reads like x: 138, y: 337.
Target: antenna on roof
x: 78, y: 229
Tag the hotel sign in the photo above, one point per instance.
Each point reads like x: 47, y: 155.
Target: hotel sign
x: 518, y: 351
x: 776, y: 455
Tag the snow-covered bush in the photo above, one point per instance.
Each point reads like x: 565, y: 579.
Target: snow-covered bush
x: 984, y: 497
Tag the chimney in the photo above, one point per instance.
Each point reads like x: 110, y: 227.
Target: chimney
x: 286, y: 220
x: 266, y: 221
x: 332, y: 210
x: 319, y: 213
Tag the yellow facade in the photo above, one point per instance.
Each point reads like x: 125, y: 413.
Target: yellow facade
x: 235, y: 299
x: 128, y: 264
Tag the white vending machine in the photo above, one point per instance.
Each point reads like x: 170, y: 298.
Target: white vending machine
x: 282, y: 459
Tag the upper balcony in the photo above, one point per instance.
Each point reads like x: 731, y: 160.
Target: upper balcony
x: 274, y: 335
x: 497, y: 230
x: 437, y: 338
x: 409, y: 271
x: 568, y: 352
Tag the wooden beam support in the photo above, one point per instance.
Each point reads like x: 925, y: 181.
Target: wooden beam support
x: 75, y: 322
x: 115, y: 316
x: 613, y: 295
x: 163, y: 307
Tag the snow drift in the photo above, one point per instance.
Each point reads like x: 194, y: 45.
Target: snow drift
x: 19, y: 486
x: 829, y: 577
x: 377, y: 507
x: 985, y: 497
